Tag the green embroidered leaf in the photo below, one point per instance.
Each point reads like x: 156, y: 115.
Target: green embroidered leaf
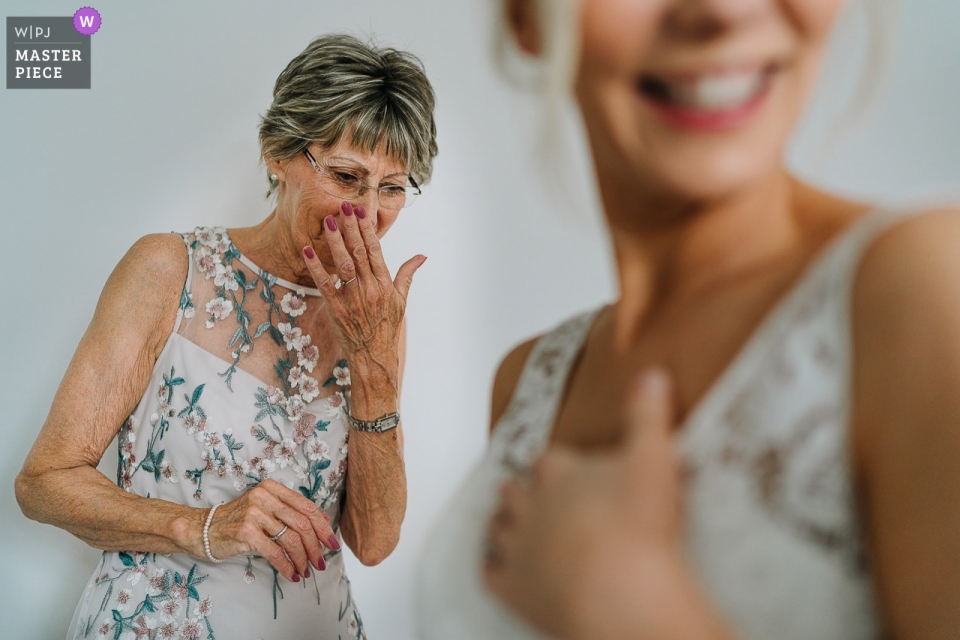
x: 196, y: 394
x: 127, y: 559
x: 263, y: 326
x: 236, y: 336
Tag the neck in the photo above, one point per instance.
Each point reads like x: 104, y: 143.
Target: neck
x: 272, y: 247
x: 669, y: 250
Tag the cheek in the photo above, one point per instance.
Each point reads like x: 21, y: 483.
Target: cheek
x: 385, y: 220
x: 615, y: 34
x: 815, y: 18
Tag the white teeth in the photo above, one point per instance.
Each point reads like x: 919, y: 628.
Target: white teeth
x: 716, y: 92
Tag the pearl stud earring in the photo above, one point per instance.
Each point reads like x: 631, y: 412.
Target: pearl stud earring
x: 273, y: 176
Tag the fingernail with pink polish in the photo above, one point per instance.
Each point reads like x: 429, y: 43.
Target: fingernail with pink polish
x: 361, y: 213
x: 296, y: 577
x: 308, y: 251
x: 333, y: 543
x: 321, y: 564
x: 346, y: 209
x: 331, y: 223
x: 306, y: 572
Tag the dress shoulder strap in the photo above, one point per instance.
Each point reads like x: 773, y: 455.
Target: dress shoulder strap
x: 186, y: 308
x: 523, y: 430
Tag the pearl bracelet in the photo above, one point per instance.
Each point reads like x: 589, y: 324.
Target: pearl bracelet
x: 206, y: 533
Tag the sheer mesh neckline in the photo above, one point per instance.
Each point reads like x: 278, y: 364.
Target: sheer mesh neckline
x: 293, y: 286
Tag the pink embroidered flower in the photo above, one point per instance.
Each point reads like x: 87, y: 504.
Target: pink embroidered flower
x: 123, y: 599
x: 263, y: 467
x: 168, y: 631
x: 191, y: 629
x: 287, y: 449
x: 126, y: 480
x: 239, y: 468
x: 294, y: 376
x: 269, y: 450
x: 294, y: 407
x: 343, y: 442
x: 342, y: 374
x: 225, y: 278
x: 143, y: 626
x: 292, y: 336
x: 222, y: 245
x: 308, y: 356
x: 211, y: 439
x: 248, y: 575
x: 170, y: 610
x: 304, y: 428
x: 139, y: 568
x: 103, y: 631
x: 206, y: 262
x: 335, y: 405
x: 190, y: 422
x: 219, y: 308
x: 294, y: 305
x: 206, y: 235
x: 220, y: 470
x: 156, y: 582
x: 179, y: 591
x: 309, y: 388
x: 168, y: 472
x: 205, y: 606
x: 274, y: 395
x: 317, y: 449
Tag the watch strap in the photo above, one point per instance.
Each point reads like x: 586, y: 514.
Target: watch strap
x: 381, y: 424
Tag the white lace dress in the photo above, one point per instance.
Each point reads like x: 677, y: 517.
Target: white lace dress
x: 239, y: 394
x: 771, y: 522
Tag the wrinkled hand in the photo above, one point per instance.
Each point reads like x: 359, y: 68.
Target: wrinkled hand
x: 367, y: 310
x: 589, y: 537
x: 245, y: 525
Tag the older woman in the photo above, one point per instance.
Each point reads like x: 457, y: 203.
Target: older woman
x: 235, y: 365
x: 799, y: 359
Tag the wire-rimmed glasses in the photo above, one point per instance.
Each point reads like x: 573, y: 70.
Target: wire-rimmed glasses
x: 342, y: 184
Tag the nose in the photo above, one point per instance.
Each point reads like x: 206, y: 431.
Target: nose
x: 703, y: 19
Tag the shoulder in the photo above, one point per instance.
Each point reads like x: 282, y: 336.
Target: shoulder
x: 162, y: 255
x: 505, y: 381
x: 906, y: 327
x: 914, y: 259
x: 145, y: 286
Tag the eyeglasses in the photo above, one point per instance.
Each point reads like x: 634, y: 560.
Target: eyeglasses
x: 340, y: 183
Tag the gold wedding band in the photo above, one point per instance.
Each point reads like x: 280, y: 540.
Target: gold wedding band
x: 277, y: 537
x: 344, y: 283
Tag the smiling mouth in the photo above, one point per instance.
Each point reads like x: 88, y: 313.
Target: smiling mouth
x: 729, y: 96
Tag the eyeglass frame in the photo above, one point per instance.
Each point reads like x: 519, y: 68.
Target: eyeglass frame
x: 364, y: 187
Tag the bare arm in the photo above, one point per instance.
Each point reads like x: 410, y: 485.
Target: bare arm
x: 376, y: 499
x: 59, y: 483
x: 906, y: 431
x: 367, y: 315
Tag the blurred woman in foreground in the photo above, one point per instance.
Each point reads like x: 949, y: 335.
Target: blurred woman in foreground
x: 795, y: 353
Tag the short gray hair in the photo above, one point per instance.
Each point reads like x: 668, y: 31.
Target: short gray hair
x: 338, y: 86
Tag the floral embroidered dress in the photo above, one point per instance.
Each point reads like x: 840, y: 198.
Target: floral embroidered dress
x: 239, y: 394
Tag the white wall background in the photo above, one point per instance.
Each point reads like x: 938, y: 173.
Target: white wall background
x: 166, y: 139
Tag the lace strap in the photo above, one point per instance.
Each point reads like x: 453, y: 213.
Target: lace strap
x: 186, y: 308
x: 524, y: 428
